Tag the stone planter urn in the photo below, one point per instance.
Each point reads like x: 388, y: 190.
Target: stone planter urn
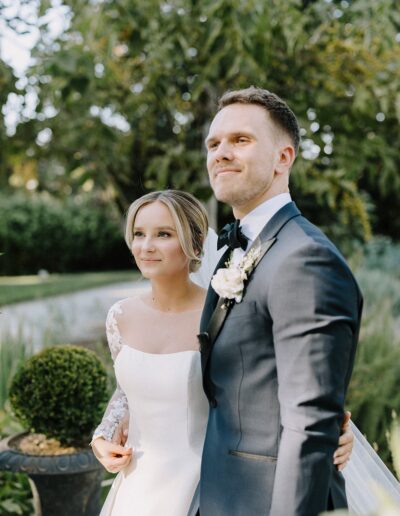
x: 62, y: 485
x: 59, y: 394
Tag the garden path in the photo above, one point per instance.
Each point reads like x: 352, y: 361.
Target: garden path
x: 74, y: 317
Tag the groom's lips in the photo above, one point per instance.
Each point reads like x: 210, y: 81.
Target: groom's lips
x: 226, y: 170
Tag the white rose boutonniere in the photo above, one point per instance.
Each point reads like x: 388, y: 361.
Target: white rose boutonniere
x: 229, y: 282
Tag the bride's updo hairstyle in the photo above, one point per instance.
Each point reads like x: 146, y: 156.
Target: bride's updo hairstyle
x: 189, y: 215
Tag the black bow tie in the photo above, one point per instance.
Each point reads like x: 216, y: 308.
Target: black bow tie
x: 232, y: 236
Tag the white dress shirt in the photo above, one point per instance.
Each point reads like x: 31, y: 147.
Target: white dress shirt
x: 252, y: 224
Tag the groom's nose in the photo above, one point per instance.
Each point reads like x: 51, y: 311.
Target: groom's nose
x: 224, y: 152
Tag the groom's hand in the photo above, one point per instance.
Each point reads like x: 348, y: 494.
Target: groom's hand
x: 112, y: 456
x: 346, y: 442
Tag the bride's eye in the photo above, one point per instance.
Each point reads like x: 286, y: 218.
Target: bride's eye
x: 137, y: 234
x: 164, y: 234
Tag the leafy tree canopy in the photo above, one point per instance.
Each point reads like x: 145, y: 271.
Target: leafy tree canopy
x: 126, y: 93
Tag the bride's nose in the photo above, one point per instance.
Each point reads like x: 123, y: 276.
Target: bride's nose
x: 148, y: 244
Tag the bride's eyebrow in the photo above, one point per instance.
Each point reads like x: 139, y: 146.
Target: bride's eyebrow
x: 169, y: 228
x: 158, y: 228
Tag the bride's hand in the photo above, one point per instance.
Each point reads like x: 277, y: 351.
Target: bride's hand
x: 346, y: 442
x: 112, y: 456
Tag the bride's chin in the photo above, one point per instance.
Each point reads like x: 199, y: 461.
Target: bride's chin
x: 145, y: 274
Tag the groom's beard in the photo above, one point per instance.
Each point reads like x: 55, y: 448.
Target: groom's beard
x: 241, y: 195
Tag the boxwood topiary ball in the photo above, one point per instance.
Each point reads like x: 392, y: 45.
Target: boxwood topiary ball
x: 61, y: 393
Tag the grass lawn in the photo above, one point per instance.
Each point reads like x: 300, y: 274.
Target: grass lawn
x: 22, y: 288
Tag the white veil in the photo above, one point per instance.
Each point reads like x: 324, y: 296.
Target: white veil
x: 365, y: 474
x: 209, y: 260
x: 365, y: 469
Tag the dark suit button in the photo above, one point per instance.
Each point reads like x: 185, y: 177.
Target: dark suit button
x: 213, y: 402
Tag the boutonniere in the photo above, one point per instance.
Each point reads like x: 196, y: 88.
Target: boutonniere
x: 228, y: 282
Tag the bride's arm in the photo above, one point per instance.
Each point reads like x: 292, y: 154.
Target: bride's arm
x: 113, y: 455
x: 117, y: 408
x: 115, y: 415
x: 111, y: 452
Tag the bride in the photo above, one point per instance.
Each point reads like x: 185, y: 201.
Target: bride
x: 152, y: 339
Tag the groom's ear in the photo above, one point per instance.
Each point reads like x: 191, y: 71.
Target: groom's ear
x: 285, y: 159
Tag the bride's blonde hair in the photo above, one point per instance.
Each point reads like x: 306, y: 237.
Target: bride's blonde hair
x: 189, y: 215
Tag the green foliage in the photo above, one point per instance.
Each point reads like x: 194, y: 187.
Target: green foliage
x: 381, y: 254
x: 127, y: 92
x: 61, y: 392
x: 39, y: 232
x: 395, y: 446
x: 15, y: 491
x: 374, y: 388
x: 13, y: 353
x: 7, y: 86
x: 15, y: 495
x: 374, y: 391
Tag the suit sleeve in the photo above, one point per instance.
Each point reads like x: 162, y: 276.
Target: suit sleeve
x: 315, y: 305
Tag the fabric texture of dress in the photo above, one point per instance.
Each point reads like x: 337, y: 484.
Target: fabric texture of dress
x: 167, y: 415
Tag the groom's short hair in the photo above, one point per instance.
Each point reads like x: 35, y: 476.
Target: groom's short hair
x: 278, y: 110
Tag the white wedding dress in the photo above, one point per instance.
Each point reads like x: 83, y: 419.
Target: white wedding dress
x: 167, y: 412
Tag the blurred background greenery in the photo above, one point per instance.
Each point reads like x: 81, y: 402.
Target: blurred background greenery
x: 115, y: 101
x: 118, y: 101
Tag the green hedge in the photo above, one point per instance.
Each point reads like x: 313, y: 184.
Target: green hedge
x: 79, y: 234
x: 374, y: 388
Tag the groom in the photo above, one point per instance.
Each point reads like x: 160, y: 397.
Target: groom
x: 276, y: 365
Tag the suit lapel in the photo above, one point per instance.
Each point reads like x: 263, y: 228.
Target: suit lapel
x: 212, y: 297
x: 221, y: 308
x: 215, y: 311
x: 210, y: 305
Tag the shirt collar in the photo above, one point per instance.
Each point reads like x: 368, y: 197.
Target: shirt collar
x: 253, y: 222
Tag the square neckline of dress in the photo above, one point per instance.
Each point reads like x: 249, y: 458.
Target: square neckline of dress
x: 126, y: 345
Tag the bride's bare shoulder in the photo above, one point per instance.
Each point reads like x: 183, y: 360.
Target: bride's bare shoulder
x: 133, y: 302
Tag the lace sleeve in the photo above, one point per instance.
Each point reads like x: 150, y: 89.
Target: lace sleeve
x: 117, y: 408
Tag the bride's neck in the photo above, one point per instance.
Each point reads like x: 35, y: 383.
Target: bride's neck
x: 172, y: 296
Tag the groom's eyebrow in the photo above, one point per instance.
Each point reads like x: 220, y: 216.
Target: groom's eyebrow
x: 234, y: 134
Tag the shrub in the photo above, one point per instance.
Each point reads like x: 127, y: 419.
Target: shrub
x: 374, y: 388
x: 61, y: 392
x: 78, y: 234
